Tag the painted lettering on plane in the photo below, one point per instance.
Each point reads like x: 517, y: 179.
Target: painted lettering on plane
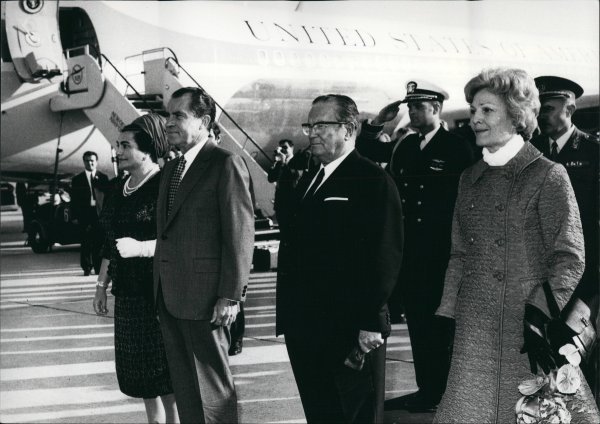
x: 303, y: 34
x: 410, y: 42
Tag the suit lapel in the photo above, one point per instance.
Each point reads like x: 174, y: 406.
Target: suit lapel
x: 163, y: 194
x: 330, y: 184
x: 190, y: 178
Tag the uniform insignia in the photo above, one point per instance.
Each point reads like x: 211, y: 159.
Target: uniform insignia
x: 577, y: 164
x: 437, y: 165
x: 411, y: 86
x: 576, y: 143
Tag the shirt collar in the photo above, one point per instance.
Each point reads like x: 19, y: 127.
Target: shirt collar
x: 191, y: 154
x: 562, y: 140
x: 429, y: 136
x: 332, y: 166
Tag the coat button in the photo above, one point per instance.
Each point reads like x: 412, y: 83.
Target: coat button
x: 499, y: 207
x: 421, y: 186
x: 403, y: 200
x: 471, y: 240
x: 471, y: 206
x: 419, y: 203
x: 499, y: 275
x: 418, y: 219
x: 500, y: 242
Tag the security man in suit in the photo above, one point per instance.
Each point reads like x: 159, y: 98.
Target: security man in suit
x: 87, y: 194
x: 426, y: 167
x: 337, y: 266
x: 205, y: 239
x: 561, y: 141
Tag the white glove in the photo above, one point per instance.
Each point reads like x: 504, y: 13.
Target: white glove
x: 132, y: 248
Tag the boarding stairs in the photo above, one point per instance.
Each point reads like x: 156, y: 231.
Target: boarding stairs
x: 112, y: 99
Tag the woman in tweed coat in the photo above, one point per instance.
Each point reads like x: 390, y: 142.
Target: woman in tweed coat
x: 516, y: 224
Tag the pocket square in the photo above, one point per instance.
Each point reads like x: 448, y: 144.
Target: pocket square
x: 339, y: 199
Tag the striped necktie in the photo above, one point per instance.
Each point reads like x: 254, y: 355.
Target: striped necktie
x: 175, y: 181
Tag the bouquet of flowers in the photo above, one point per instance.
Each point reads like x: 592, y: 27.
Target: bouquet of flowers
x: 545, y: 398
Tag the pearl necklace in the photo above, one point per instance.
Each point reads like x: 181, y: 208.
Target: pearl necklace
x: 127, y: 190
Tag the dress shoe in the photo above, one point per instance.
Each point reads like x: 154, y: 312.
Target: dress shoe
x: 399, y: 402
x: 235, y: 348
x: 422, y: 403
x: 86, y: 272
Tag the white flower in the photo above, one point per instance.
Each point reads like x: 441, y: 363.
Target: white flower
x: 567, y: 379
x: 571, y: 353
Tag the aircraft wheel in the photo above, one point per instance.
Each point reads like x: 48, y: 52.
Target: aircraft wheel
x: 37, y: 239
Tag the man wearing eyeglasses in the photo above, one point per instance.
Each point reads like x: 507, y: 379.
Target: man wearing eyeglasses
x: 426, y: 167
x: 338, y: 263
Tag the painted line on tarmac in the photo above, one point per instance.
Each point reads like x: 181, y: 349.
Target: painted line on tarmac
x: 259, y: 308
x: 270, y: 324
x: 63, y: 291
x: 38, y: 300
x: 68, y: 337
x: 65, y: 327
x: 47, y: 281
x: 47, y: 351
x: 57, y: 289
x: 55, y: 416
x: 268, y: 399
x: 260, y: 291
x: 35, y: 398
x: 42, y: 273
x: 54, y: 371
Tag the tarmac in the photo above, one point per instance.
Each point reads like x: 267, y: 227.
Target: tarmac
x: 57, y: 356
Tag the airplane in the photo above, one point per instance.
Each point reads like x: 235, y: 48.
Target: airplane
x: 74, y: 72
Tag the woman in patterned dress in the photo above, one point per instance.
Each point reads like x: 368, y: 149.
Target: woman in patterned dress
x: 129, y: 221
x: 516, y: 224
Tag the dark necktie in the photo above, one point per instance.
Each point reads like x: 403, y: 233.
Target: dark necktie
x: 313, y: 188
x: 554, y: 152
x: 92, y: 189
x: 175, y: 181
x: 421, y: 140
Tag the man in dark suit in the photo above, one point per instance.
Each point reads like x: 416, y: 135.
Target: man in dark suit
x: 205, y: 237
x: 87, y: 194
x: 426, y: 167
x: 338, y: 262
x: 579, y: 152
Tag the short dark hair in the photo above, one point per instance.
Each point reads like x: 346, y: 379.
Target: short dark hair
x: 285, y: 140
x: 89, y: 153
x: 200, y: 104
x: 216, y: 131
x: 347, y: 111
x: 142, y: 139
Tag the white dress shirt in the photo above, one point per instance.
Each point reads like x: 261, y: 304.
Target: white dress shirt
x: 191, y: 154
x: 562, y: 140
x: 329, y: 168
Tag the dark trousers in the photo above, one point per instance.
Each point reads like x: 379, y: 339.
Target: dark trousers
x: 91, y: 242
x: 431, y: 340
x: 199, y: 367
x: 239, y: 326
x: 331, y: 392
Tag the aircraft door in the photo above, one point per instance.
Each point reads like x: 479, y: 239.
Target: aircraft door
x: 34, y: 38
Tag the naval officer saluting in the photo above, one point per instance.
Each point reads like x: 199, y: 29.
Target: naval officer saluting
x: 426, y: 167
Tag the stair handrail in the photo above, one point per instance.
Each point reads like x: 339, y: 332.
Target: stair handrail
x: 148, y: 106
x: 222, y: 110
x: 102, y: 55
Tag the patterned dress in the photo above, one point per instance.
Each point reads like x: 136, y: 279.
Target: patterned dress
x: 141, y: 362
x: 515, y: 226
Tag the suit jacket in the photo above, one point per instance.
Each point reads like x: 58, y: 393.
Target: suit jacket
x: 428, y: 183
x: 340, y: 257
x: 581, y: 157
x: 204, y: 247
x: 81, y: 194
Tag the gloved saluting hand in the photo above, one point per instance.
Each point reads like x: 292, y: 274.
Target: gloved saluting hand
x: 536, y: 343
x: 131, y: 248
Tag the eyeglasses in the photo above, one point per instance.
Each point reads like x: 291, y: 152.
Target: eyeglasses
x: 319, y: 126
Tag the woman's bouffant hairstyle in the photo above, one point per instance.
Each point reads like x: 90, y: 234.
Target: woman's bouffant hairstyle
x: 518, y: 91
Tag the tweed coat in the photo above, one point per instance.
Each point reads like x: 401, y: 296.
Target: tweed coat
x: 514, y: 227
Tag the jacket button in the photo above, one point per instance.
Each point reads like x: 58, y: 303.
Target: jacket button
x: 500, y: 242
x: 405, y: 184
x: 403, y: 200
x: 419, y: 203
x: 471, y: 240
x: 499, y: 275
x: 163, y: 237
x: 499, y: 207
x: 421, y: 186
x: 418, y: 219
x: 471, y: 206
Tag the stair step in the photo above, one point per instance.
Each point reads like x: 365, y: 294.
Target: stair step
x: 154, y: 104
x: 149, y: 97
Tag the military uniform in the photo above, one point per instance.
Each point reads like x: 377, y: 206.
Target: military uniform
x: 580, y: 156
x: 427, y: 181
